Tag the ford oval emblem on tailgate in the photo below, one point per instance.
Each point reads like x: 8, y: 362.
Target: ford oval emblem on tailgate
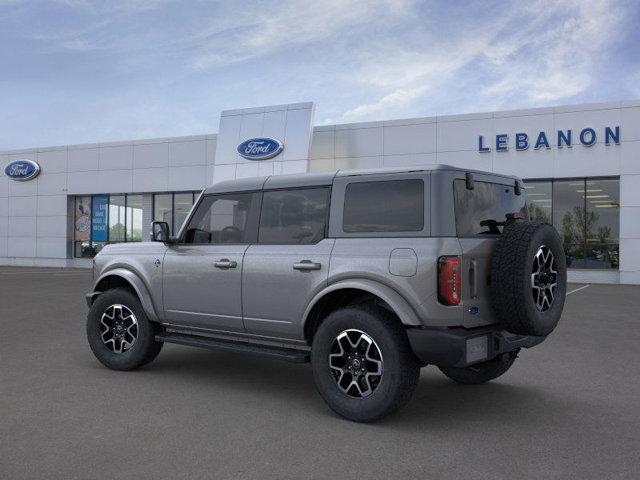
x: 260, y: 148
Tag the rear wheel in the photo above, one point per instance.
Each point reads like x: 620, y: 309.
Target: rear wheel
x: 362, y: 363
x: 119, y: 333
x: 481, y: 372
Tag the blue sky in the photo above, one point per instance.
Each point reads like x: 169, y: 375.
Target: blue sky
x: 77, y: 71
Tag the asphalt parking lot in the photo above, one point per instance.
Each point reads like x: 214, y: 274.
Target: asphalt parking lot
x: 568, y: 409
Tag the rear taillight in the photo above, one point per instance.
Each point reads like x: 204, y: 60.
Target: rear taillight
x: 449, y: 280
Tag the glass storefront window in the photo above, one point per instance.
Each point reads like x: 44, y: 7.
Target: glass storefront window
x: 586, y: 213
x: 117, y: 218
x: 173, y: 208
x: 182, y: 203
x: 539, y: 199
x: 103, y: 219
x: 163, y: 209
x: 82, y: 227
x: 134, y: 218
x: 603, y: 223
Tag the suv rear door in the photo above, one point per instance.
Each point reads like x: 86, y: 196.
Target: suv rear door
x: 289, y: 263
x: 488, y: 202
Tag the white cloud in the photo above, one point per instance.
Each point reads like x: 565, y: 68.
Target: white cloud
x: 543, y: 52
x: 288, y: 24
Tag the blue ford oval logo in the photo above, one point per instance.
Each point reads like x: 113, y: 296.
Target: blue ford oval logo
x: 260, y: 148
x: 22, y: 170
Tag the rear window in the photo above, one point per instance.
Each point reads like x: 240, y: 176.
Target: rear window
x: 483, y: 210
x: 384, y: 206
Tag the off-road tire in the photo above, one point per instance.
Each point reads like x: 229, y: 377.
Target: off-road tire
x: 401, y: 369
x: 481, y: 372
x: 512, y: 261
x: 144, y: 349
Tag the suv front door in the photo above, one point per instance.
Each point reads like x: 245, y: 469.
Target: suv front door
x: 290, y: 262
x: 202, y: 273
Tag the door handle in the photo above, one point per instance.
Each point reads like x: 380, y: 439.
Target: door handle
x: 473, y: 278
x: 225, y: 263
x: 307, y: 265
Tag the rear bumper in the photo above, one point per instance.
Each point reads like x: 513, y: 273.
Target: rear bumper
x: 461, y: 347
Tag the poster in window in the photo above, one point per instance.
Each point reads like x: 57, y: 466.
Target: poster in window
x: 83, y: 219
x: 99, y: 209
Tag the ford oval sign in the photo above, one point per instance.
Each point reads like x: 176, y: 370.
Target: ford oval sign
x: 22, y: 170
x: 260, y: 148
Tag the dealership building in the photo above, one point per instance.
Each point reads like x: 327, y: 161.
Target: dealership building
x: 581, y: 164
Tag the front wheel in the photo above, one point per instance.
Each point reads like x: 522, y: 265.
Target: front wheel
x: 362, y: 363
x: 119, y: 333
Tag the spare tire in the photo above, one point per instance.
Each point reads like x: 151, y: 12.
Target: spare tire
x: 528, y: 278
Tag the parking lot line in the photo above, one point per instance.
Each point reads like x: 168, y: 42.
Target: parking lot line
x: 578, y: 289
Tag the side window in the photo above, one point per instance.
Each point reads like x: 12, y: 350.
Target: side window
x: 220, y: 219
x: 297, y: 216
x: 384, y: 206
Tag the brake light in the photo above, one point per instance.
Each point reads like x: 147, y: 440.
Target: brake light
x: 449, y: 285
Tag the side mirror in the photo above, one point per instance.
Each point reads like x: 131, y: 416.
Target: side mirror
x: 159, y: 232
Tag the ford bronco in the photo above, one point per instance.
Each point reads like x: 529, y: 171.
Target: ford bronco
x: 368, y: 275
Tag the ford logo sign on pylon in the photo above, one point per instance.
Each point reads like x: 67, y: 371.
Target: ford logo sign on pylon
x: 260, y: 148
x: 22, y: 170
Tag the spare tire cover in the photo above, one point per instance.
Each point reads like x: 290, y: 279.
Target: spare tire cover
x: 528, y: 278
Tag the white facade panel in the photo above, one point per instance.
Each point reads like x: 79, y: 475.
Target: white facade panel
x: 630, y: 191
x: 228, y: 140
x: 463, y: 135
x: 4, y: 185
x: 224, y: 172
x: 51, y: 205
x: 322, y: 145
x: 4, y: 226
x: 248, y: 169
x: 51, y: 247
x: 186, y: 178
x: 117, y: 157
x: 629, y: 222
x: 188, y: 153
x: 52, y: 183
x: 21, y: 246
x: 82, y: 159
x: 4, y: 207
x: 101, y: 181
x: 630, y: 157
x: 22, y: 227
x: 358, y: 142
x: 631, y: 248
x: 150, y: 180
x: 22, y: 206
x: 53, y: 161
x: 297, y: 134
x: 150, y: 155
x: 274, y: 125
x: 410, y: 139
x: 630, y: 121
x: 22, y: 189
x: 52, y: 226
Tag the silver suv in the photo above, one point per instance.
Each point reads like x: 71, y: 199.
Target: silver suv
x: 368, y: 275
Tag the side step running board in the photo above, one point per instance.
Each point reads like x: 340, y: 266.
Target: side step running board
x: 280, y: 353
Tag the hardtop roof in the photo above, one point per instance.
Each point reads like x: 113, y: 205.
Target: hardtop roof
x: 326, y: 178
